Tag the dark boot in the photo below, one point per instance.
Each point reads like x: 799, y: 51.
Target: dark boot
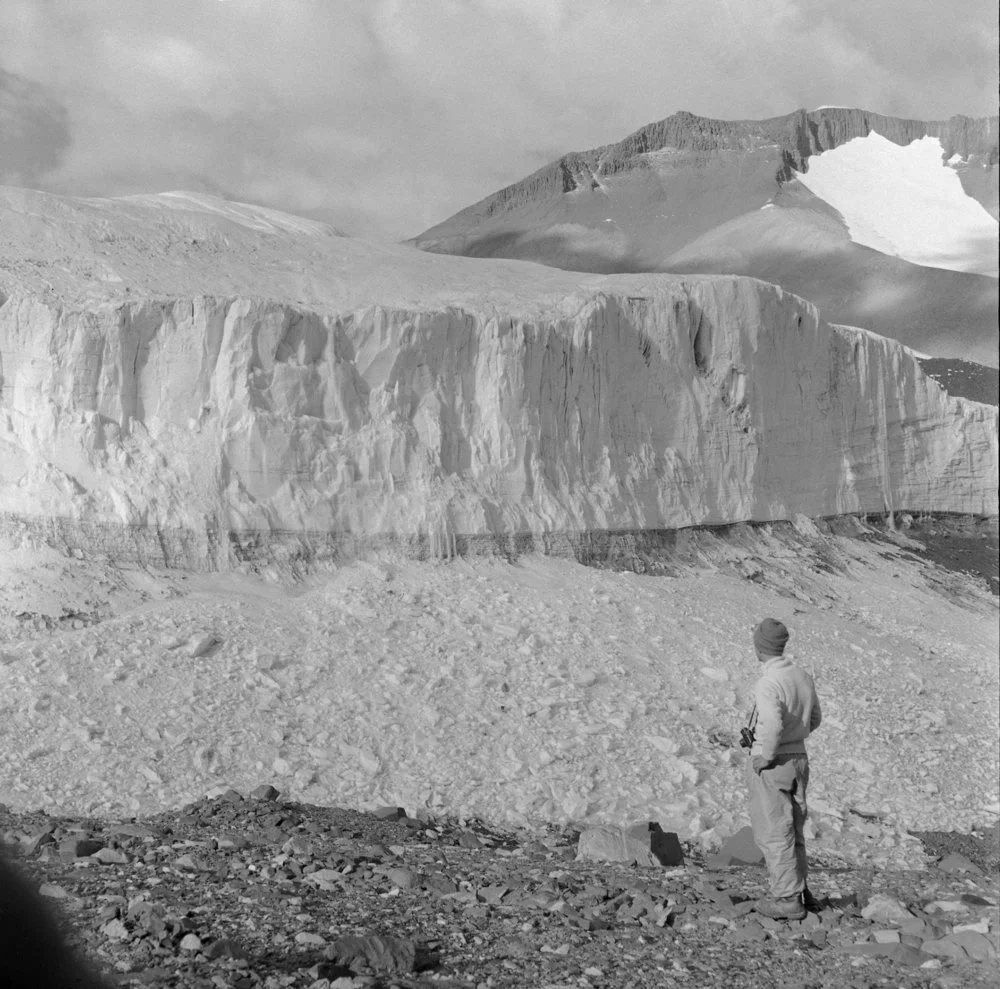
x: 810, y: 902
x: 782, y: 908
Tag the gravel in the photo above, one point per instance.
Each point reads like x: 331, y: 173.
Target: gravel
x: 239, y: 892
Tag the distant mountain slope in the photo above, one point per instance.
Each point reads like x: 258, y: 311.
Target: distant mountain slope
x: 807, y: 251
x: 689, y: 194
x: 964, y: 378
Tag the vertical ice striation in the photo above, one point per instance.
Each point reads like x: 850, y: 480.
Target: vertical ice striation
x: 199, y: 430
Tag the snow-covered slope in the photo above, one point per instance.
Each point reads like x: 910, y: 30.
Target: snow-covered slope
x: 253, y: 217
x: 434, y: 402
x: 799, y: 244
x: 903, y: 202
x: 538, y: 692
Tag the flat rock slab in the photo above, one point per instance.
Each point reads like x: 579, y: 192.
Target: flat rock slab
x: 644, y: 845
x: 902, y: 954
x: 956, y: 862
x: 977, y: 946
x: 381, y: 955
x: 944, y: 948
x: 882, y: 909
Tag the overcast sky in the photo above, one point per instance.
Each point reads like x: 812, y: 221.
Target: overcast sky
x: 387, y: 116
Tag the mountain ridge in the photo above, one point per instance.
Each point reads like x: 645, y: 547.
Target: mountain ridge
x: 799, y: 135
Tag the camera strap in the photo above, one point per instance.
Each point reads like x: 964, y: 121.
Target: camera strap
x: 753, y: 718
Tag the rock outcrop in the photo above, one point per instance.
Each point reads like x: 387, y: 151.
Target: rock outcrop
x: 203, y: 429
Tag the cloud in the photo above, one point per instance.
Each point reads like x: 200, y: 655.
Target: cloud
x: 34, y: 131
x: 389, y: 115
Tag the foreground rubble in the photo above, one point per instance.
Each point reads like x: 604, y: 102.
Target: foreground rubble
x: 238, y: 892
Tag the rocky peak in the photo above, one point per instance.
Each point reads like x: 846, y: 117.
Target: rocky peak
x: 795, y: 137
x: 827, y: 128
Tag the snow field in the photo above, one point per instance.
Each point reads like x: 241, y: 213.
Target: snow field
x: 905, y: 202
x: 542, y: 691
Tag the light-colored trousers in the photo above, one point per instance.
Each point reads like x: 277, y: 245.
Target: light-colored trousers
x: 777, y: 816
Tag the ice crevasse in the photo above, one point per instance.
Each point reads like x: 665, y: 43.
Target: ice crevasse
x: 200, y: 430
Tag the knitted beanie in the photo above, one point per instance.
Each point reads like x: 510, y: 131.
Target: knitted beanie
x: 769, y: 637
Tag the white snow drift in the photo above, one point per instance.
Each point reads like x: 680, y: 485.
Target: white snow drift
x: 905, y: 202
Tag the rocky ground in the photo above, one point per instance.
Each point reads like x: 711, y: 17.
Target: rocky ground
x: 258, y: 890
x: 238, y: 892
x: 960, y: 544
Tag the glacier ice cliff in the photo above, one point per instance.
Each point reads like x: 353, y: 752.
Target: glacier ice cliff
x: 199, y: 431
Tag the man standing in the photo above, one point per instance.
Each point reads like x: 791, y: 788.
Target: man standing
x: 786, y: 712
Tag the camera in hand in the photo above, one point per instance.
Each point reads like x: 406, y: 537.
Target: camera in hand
x: 748, y: 734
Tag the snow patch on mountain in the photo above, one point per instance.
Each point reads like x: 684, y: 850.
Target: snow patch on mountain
x: 904, y: 202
